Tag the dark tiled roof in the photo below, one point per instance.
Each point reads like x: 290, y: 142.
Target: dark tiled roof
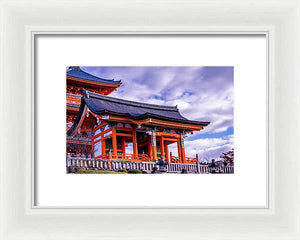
x: 100, y: 105
x: 126, y: 106
x: 78, y: 73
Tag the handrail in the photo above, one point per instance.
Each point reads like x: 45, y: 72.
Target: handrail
x: 143, y: 158
x: 126, y: 157
x: 191, y: 160
x: 188, y: 160
x: 174, y: 159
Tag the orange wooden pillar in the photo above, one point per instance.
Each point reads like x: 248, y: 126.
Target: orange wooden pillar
x: 154, y: 152
x: 153, y: 146
x: 179, y: 149
x: 135, y: 150
x: 114, y: 140
x: 167, y: 153
x: 103, y: 146
x: 123, y: 145
x: 93, y: 153
x: 162, y: 149
x: 183, y: 155
x: 182, y: 149
x: 150, y: 148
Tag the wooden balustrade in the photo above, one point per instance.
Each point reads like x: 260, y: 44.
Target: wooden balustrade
x: 125, y: 157
x: 188, y: 160
x: 191, y: 160
x: 174, y: 159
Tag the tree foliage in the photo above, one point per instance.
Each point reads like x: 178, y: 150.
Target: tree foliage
x: 228, y: 157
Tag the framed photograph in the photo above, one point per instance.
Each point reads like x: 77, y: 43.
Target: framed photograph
x: 169, y: 119
x: 150, y: 120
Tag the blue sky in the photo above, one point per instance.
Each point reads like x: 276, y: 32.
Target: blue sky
x: 201, y: 93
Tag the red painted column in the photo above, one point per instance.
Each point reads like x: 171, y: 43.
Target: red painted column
x: 153, y: 146
x: 93, y: 154
x: 150, y: 148
x: 134, y: 142
x: 123, y: 144
x: 114, y: 140
x: 162, y: 149
x: 167, y: 153
x: 103, y: 146
x: 179, y: 149
x: 182, y: 149
x: 183, y: 155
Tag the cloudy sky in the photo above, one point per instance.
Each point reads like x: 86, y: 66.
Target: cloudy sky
x: 201, y: 93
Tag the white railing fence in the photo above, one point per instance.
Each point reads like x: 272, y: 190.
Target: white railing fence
x: 115, y: 165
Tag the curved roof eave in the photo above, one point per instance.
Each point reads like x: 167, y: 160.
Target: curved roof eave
x: 97, y: 105
x: 76, y: 72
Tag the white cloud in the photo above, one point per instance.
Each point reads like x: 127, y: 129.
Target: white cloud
x: 201, y: 93
x: 206, y: 148
x: 198, y: 97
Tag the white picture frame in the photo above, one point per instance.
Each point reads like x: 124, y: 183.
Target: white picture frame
x: 22, y: 20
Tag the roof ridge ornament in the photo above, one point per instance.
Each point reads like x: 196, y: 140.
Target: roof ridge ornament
x: 86, y: 93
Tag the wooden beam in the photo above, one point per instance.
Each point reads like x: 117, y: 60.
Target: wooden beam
x: 175, y: 135
x: 125, y: 129
x: 73, y: 109
x: 171, y: 139
x: 124, y: 134
x: 79, y: 142
x: 158, y: 123
x: 99, y: 126
x: 177, y: 125
x: 142, y: 144
x: 102, y: 133
x: 108, y: 136
x: 96, y: 141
